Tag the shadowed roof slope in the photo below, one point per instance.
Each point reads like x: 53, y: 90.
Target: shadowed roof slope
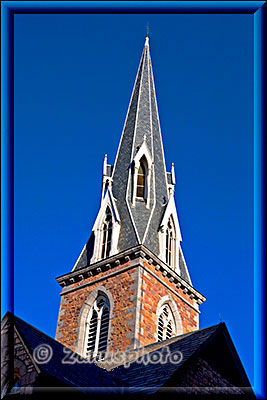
x: 79, y: 375
x: 214, y: 344
x: 145, y: 374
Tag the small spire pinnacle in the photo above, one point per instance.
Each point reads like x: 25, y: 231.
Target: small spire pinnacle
x: 173, y: 174
x: 105, y: 164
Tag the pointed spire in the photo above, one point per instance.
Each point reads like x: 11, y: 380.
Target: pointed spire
x: 141, y: 218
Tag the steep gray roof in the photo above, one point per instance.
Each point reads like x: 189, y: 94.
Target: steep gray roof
x: 140, y: 224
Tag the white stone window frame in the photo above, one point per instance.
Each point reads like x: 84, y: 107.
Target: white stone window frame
x: 177, y: 320
x: 107, y: 228
x: 98, y: 227
x: 143, y: 153
x: 170, y: 212
x: 85, y: 315
x: 99, y: 312
x: 165, y: 320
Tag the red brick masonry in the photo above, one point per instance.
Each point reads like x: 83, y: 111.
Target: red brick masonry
x: 136, y: 291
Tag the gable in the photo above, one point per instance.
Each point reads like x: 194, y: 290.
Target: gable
x: 64, y: 366
x: 214, y: 368
x: 207, y: 357
x: 87, y: 256
x: 146, y: 377
x: 201, y: 377
x: 18, y: 369
x: 107, y: 202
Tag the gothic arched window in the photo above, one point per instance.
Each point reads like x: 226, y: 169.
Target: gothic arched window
x: 166, y: 326
x: 97, y: 324
x: 107, y: 234
x: 170, y: 244
x: 141, y: 181
x: 141, y: 175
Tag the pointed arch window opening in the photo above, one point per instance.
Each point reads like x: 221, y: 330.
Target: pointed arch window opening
x: 97, y: 327
x: 166, y: 326
x: 107, y: 234
x: 170, y: 244
x: 141, y: 175
x: 141, y: 181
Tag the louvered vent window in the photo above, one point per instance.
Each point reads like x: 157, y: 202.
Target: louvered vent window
x: 107, y: 234
x: 165, y: 324
x: 97, y: 329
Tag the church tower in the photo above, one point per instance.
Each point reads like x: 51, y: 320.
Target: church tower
x: 130, y: 286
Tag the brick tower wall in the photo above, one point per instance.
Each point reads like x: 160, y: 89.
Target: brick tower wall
x: 152, y: 291
x: 123, y: 290
x: 136, y: 288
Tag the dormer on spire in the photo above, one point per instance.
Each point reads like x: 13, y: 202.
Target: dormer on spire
x: 142, y: 162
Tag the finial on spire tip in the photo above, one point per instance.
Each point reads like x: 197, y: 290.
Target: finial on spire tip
x: 147, y: 38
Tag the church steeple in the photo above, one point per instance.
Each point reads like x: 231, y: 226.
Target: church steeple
x: 130, y: 286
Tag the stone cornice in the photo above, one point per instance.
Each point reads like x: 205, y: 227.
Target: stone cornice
x: 140, y: 254
x: 176, y: 293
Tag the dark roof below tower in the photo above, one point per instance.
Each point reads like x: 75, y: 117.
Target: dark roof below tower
x: 209, y: 350
x: 78, y: 375
x: 213, y: 346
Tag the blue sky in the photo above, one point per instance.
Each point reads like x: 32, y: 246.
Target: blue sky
x: 74, y: 75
